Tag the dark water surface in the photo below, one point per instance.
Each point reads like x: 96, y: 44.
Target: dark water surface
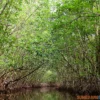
x: 38, y: 94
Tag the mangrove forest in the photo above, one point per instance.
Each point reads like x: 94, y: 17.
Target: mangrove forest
x: 50, y: 46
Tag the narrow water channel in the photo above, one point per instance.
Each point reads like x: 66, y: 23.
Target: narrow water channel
x: 38, y: 94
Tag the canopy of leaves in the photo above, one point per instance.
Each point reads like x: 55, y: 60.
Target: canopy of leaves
x: 64, y: 35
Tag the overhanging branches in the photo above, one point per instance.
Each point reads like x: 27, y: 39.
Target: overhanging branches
x: 6, y: 84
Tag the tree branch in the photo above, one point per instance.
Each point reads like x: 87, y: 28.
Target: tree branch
x: 20, y: 78
x: 4, y: 7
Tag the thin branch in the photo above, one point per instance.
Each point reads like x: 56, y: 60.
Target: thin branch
x: 83, y: 16
x: 24, y: 21
x: 4, y: 7
x: 68, y: 62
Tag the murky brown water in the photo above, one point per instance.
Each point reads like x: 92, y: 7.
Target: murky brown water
x: 38, y: 94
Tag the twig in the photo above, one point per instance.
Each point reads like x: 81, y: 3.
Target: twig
x: 4, y: 7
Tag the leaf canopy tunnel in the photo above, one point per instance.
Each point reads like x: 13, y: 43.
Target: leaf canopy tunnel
x: 49, y: 41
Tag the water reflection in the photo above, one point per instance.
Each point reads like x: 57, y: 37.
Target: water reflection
x: 39, y: 94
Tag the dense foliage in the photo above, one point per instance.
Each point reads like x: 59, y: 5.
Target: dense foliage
x: 49, y: 40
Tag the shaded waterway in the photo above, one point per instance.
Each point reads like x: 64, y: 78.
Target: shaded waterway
x: 38, y: 94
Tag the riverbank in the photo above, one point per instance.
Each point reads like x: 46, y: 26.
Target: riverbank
x: 45, y: 93
x: 79, y: 89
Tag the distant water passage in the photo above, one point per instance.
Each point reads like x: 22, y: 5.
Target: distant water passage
x: 38, y: 94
